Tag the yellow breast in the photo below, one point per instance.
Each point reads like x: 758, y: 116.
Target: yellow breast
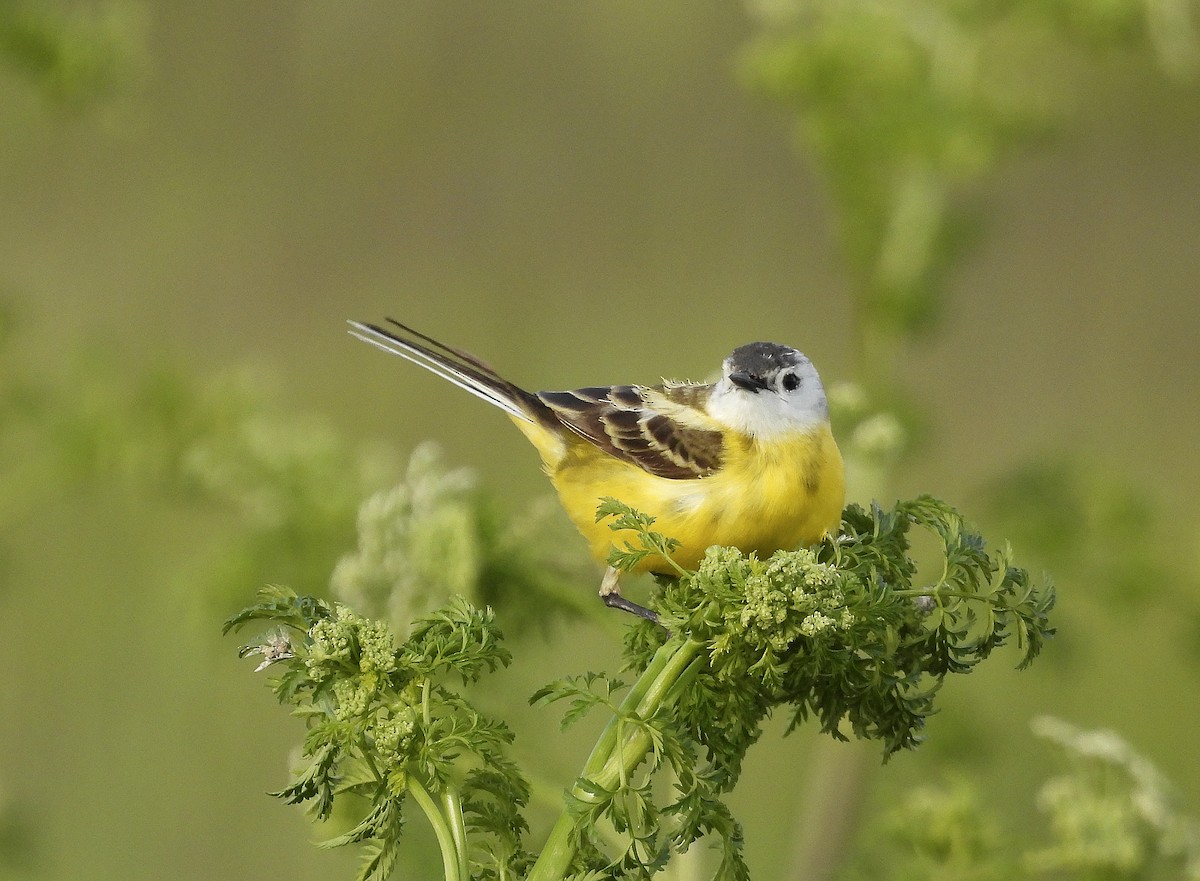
x: 781, y: 493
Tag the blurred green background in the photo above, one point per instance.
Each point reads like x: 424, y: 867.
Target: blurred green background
x: 582, y: 193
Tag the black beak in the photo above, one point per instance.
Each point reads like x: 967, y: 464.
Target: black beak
x: 748, y: 381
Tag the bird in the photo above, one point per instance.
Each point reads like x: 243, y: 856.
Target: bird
x: 748, y: 461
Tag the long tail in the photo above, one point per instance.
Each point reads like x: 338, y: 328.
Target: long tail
x: 454, y: 365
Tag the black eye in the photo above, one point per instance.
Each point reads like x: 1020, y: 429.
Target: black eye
x: 791, y: 382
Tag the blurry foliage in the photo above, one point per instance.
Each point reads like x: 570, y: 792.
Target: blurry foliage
x: 17, y: 837
x: 900, y: 106
x: 74, y: 56
x: 875, y: 429
x: 216, y: 444
x: 1111, y: 813
x: 7, y: 324
x: 1110, y: 817
x: 284, y: 489
x: 935, y: 834
x: 434, y: 535
x: 294, y: 486
x: 1079, y: 518
x: 1097, y: 529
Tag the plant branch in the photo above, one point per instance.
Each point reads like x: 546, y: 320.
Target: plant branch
x: 610, y: 757
x: 452, y: 859
x: 452, y: 807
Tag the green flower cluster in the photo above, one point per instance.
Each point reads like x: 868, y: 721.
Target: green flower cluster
x: 846, y: 631
x: 392, y: 733
x: 348, y: 640
x: 788, y: 596
x: 353, y: 655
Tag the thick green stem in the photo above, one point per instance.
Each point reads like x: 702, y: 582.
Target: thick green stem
x: 452, y: 805
x: 452, y: 860
x: 560, y: 849
x: 613, y: 756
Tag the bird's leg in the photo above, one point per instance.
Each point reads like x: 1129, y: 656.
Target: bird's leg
x: 610, y: 592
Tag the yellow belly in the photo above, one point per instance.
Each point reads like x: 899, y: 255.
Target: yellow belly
x: 786, y: 493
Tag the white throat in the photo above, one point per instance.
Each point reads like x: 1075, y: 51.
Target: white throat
x: 770, y: 414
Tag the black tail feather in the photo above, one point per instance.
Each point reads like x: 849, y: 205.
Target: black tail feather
x: 454, y: 365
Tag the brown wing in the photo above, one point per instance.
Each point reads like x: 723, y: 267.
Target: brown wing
x: 659, y: 429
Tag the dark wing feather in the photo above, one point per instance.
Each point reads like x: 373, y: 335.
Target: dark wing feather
x: 625, y: 421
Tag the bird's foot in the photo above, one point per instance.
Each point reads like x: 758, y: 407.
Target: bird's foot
x: 610, y: 592
x: 616, y: 601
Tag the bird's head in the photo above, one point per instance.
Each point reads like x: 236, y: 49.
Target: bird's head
x: 766, y: 390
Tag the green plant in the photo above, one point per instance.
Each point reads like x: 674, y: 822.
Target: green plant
x: 849, y: 634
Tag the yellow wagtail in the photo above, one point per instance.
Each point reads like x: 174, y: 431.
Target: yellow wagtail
x: 747, y: 461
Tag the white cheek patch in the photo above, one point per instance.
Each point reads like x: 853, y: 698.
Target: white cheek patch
x: 768, y: 414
